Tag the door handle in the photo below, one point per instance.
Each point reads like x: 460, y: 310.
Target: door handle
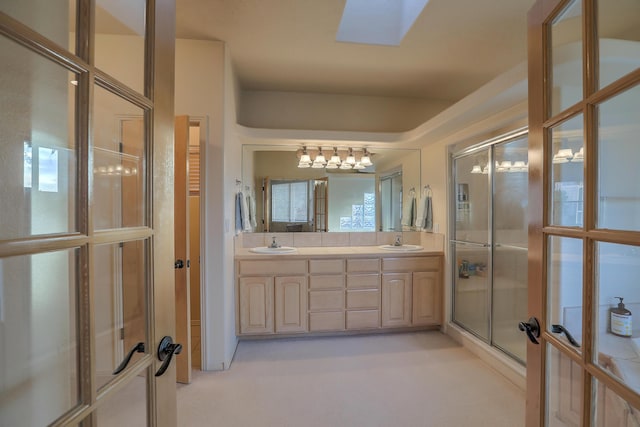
x: 559, y: 329
x: 166, y: 350
x: 138, y: 348
x: 532, y: 329
x: 179, y: 264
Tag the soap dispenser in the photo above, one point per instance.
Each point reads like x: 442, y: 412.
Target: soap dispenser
x: 621, y: 320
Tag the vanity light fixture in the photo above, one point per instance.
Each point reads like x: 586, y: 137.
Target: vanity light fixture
x: 365, y: 160
x: 350, y: 160
x: 319, y: 158
x: 476, y: 169
x: 305, y: 159
x: 345, y: 165
x: 359, y: 166
x: 335, y: 159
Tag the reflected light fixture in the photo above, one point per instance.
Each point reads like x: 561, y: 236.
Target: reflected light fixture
x: 476, y: 169
x: 579, y: 156
x: 365, y: 160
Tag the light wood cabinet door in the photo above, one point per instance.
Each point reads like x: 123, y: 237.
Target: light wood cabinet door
x: 291, y: 304
x: 256, y: 305
x: 396, y: 299
x: 426, y: 299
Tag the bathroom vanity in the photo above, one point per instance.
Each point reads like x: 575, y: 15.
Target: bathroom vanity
x: 337, y: 290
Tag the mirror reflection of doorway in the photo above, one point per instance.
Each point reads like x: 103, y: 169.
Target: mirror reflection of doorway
x: 391, y: 202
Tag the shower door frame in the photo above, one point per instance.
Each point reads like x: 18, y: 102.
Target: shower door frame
x: 488, y: 145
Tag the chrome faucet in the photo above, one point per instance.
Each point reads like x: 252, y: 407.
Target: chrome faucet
x: 274, y: 244
x: 398, y: 241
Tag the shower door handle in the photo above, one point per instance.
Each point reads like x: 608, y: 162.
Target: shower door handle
x: 531, y: 328
x: 559, y: 329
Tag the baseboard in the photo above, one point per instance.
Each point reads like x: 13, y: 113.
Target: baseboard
x: 501, y: 363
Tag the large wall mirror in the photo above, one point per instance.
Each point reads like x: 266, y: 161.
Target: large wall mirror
x: 329, y: 189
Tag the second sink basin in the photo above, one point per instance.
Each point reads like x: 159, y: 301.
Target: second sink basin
x: 401, y: 248
x: 270, y: 250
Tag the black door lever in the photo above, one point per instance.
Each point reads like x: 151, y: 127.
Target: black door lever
x: 532, y: 329
x: 138, y: 348
x: 166, y: 350
x: 559, y: 329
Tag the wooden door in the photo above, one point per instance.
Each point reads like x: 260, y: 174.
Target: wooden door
x: 86, y: 243
x: 291, y: 304
x: 584, y: 199
x: 396, y: 299
x: 181, y: 242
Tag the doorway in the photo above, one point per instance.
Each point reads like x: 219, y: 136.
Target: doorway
x: 195, y: 272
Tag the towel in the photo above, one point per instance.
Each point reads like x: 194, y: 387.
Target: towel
x: 409, y: 213
x: 425, y: 220
x: 238, y: 213
x: 244, y: 213
x: 252, y: 211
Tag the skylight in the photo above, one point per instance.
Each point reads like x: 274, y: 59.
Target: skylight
x: 382, y: 22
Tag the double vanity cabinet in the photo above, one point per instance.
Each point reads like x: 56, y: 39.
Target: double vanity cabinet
x: 333, y: 290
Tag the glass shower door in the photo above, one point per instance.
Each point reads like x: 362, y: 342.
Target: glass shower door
x: 471, y: 246
x: 510, y: 188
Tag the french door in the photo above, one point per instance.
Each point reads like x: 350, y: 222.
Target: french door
x: 584, y: 231
x: 86, y: 213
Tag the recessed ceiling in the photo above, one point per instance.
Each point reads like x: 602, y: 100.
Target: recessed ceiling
x: 452, y: 49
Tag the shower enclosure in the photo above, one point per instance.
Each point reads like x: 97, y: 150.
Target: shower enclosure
x: 489, y: 241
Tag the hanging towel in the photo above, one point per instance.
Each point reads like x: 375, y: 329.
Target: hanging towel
x: 409, y: 213
x: 426, y: 219
x: 252, y: 211
x: 246, y: 222
x: 238, y: 212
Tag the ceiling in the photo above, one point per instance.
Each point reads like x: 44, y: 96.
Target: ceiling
x: 453, y: 48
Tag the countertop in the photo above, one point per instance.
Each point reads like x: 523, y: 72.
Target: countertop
x: 332, y: 251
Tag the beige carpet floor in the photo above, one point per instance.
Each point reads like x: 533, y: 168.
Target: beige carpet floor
x: 409, y: 379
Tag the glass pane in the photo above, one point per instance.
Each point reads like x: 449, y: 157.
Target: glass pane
x: 609, y: 409
x: 564, y: 286
x: 567, y: 174
x: 618, y: 157
x: 127, y: 406
x: 118, y: 163
x: 471, y: 289
x: 510, y: 193
x: 472, y: 192
x: 391, y: 202
x: 120, y: 27
x: 37, y: 145
x: 54, y: 19
x: 120, y: 308
x: 563, y: 382
x: 38, y: 343
x: 618, y: 36
x: 509, y: 299
x: 510, y: 199
x: 617, y: 345
x: 566, y: 58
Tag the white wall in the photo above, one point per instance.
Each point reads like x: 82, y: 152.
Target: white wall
x: 204, y: 88
x: 295, y: 110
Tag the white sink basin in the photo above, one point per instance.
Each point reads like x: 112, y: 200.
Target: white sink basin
x: 401, y: 248
x: 270, y: 250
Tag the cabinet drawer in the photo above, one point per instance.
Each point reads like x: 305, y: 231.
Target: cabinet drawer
x: 363, y: 281
x: 363, y: 319
x: 265, y: 268
x: 363, y: 299
x: 326, y: 266
x: 326, y: 282
x: 411, y: 263
x: 326, y: 321
x: 326, y: 300
x: 365, y: 265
